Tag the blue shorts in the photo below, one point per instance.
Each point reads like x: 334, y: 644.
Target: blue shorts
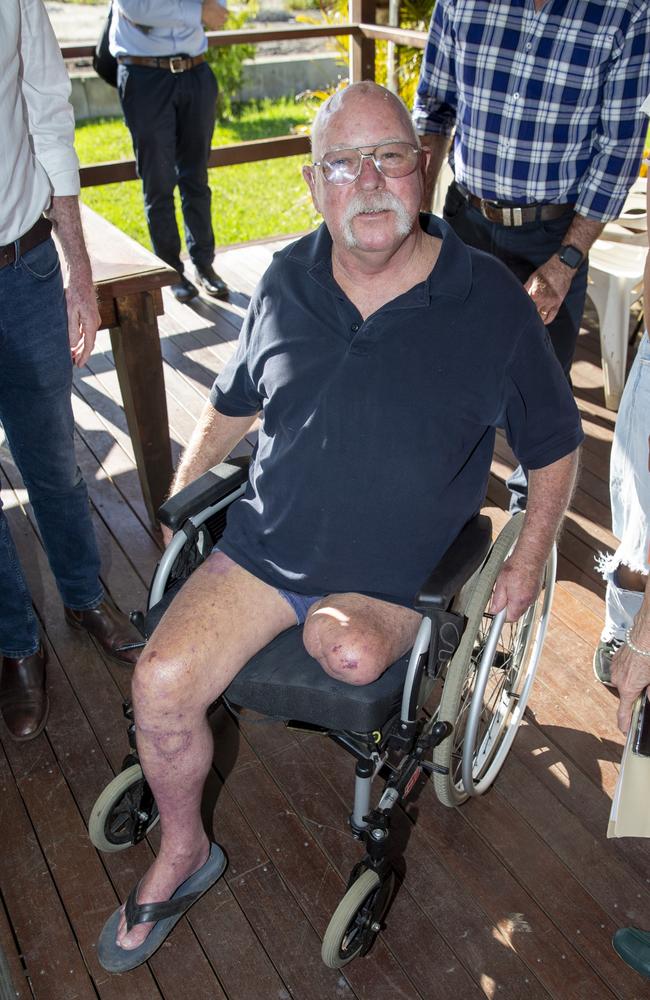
x: 300, y: 603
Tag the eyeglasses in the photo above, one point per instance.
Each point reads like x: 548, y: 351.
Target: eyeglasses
x: 392, y: 159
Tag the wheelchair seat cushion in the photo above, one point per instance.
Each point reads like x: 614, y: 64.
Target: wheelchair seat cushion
x: 284, y: 681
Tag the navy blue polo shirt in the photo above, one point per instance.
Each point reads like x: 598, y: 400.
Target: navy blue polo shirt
x: 377, y: 435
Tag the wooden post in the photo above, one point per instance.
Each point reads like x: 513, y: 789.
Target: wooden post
x: 362, y: 50
x: 136, y: 350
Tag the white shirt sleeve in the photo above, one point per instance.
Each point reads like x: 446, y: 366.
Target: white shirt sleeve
x: 45, y: 87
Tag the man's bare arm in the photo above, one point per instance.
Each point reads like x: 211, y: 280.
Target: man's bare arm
x: 213, y: 438
x: 213, y: 15
x: 549, y: 492
x: 630, y: 670
x: 549, y: 284
x: 81, y: 301
x: 438, y: 146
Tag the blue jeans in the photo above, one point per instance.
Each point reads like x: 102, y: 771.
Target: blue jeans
x: 36, y: 414
x: 171, y: 119
x: 629, y: 489
x: 523, y: 249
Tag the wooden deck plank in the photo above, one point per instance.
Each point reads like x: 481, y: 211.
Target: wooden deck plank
x: 38, y: 918
x: 313, y: 882
x: 12, y: 973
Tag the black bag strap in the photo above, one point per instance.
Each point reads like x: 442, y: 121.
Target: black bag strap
x: 105, y: 64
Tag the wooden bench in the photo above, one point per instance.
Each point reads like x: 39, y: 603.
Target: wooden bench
x: 128, y: 279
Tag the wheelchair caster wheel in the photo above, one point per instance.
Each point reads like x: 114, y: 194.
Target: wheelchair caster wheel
x: 120, y: 816
x: 357, y: 919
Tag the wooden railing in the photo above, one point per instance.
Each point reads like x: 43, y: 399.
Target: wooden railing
x: 363, y: 33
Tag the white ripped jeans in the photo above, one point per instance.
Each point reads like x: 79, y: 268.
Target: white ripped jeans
x: 629, y: 485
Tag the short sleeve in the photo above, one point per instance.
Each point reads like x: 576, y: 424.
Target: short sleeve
x: 541, y: 419
x: 234, y: 392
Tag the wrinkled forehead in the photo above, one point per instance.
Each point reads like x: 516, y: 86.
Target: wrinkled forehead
x: 361, y: 118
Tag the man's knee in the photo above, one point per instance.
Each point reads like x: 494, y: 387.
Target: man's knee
x: 162, y: 683
x: 353, y: 658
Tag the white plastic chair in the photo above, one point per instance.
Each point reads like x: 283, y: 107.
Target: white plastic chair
x: 445, y: 177
x: 615, y: 283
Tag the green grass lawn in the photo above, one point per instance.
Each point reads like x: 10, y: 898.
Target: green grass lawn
x: 249, y: 201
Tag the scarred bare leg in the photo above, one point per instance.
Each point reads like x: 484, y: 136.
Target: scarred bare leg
x: 221, y: 618
x: 355, y: 638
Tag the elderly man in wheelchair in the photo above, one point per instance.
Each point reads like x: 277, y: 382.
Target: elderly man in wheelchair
x: 381, y: 354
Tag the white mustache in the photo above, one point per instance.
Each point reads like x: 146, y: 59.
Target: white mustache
x: 364, y: 203
x: 380, y: 201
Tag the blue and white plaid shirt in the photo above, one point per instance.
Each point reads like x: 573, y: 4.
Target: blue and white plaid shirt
x: 546, y: 104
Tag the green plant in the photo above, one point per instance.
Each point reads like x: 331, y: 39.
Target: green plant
x: 227, y: 62
x: 413, y: 14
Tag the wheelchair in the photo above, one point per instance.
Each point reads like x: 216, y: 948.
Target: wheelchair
x: 486, y: 667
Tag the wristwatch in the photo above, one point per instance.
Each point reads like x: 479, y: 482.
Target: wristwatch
x: 570, y: 256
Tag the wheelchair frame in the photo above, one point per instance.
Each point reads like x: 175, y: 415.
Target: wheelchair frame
x: 462, y: 754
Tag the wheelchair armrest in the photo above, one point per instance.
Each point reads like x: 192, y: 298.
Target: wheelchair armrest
x: 212, y: 486
x: 463, y: 557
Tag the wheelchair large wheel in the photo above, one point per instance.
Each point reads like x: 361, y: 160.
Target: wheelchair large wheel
x: 356, y: 921
x: 489, y: 679
x: 117, y: 812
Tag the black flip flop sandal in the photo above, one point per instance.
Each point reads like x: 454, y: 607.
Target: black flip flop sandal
x: 166, y: 915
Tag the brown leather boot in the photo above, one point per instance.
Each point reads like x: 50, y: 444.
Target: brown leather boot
x: 24, y: 704
x: 111, y: 629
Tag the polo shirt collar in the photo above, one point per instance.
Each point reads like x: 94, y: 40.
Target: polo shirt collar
x: 450, y: 278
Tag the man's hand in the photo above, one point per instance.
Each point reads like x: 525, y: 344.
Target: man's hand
x: 167, y: 534
x: 631, y: 675
x: 548, y: 286
x: 83, y: 317
x: 517, y: 586
x: 83, y: 314
x: 213, y: 15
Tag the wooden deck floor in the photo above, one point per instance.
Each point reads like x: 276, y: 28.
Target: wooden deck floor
x: 514, y: 896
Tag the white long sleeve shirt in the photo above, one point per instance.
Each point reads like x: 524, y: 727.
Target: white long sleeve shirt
x: 37, y: 156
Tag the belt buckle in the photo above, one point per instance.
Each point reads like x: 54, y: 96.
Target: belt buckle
x: 511, y: 215
x: 176, y: 64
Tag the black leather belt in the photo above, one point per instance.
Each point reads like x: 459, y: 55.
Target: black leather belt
x: 37, y: 234
x: 175, y: 64
x: 513, y: 215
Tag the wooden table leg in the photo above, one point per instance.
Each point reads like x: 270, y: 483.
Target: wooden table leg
x: 138, y: 361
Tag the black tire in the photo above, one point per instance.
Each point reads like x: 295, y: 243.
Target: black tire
x: 356, y: 920
x: 113, y: 818
x: 500, y: 701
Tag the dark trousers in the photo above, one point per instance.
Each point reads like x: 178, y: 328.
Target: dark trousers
x: 36, y: 414
x: 171, y: 118
x: 523, y: 249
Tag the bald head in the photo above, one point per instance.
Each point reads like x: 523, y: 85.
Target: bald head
x: 352, y: 101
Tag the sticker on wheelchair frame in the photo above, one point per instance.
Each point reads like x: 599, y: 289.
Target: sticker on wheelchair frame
x: 413, y: 780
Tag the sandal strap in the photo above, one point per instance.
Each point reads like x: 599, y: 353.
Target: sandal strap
x: 145, y: 913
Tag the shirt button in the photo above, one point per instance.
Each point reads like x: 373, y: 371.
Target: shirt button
x: 354, y: 327
x: 528, y: 46
x: 515, y: 96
